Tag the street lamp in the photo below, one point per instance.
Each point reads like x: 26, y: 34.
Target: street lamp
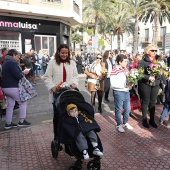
x: 111, y: 33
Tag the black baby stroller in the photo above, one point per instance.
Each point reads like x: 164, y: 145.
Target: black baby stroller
x: 60, y: 114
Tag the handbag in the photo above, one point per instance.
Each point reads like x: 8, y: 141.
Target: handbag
x: 134, y: 103
x: 1, y: 94
x: 3, y: 103
x: 26, y: 90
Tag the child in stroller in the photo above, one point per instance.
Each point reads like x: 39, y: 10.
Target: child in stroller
x: 81, y: 141
x: 67, y: 128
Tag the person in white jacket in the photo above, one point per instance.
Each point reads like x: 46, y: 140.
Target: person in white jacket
x: 118, y: 81
x: 60, y: 69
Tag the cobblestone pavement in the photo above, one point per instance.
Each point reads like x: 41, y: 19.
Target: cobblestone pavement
x: 142, y: 149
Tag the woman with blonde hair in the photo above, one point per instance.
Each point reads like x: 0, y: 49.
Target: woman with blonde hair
x: 149, y: 86
x: 95, y: 80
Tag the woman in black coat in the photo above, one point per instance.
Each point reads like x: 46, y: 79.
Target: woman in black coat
x: 149, y: 86
x: 108, y: 65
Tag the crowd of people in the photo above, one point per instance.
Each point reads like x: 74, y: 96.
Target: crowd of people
x: 117, y: 65
x: 103, y: 71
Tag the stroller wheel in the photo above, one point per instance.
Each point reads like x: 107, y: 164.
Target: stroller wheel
x: 54, y: 149
x: 75, y: 167
x: 94, y: 165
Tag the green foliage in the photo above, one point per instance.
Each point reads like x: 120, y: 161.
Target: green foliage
x: 76, y: 38
x: 101, y: 42
x: 90, y: 31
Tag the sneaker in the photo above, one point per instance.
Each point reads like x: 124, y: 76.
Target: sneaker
x: 97, y: 152
x: 161, y: 122
x: 85, y: 154
x: 127, y: 126
x: 25, y: 123
x: 10, y: 126
x: 120, y: 128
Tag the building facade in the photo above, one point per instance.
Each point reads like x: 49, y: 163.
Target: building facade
x: 38, y: 24
x: 146, y: 37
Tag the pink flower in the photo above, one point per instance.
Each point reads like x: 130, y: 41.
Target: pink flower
x: 151, y: 66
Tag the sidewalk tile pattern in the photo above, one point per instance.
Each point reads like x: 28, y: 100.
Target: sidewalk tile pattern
x: 138, y: 149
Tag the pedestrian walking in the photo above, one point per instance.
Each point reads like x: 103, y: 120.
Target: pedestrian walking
x: 11, y: 74
x: 118, y: 80
x: 108, y: 65
x: 61, y: 69
x: 95, y: 81
x: 149, y: 86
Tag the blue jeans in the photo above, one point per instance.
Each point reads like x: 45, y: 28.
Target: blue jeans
x: 165, y: 112
x: 122, y: 101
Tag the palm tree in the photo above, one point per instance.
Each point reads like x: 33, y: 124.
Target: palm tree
x: 93, y: 11
x: 120, y: 22
x: 75, y: 39
x: 158, y: 12
x: 136, y: 9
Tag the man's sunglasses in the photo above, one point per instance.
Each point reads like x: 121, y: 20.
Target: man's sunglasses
x: 153, y: 50
x: 99, y: 58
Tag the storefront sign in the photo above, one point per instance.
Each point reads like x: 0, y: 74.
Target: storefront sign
x: 18, y: 25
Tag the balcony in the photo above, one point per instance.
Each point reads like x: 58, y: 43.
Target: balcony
x: 76, y: 8
x: 57, y: 2
x: 19, y: 1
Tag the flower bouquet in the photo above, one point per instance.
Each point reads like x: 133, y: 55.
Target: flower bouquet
x: 133, y: 76
x: 104, y: 74
x: 166, y: 72
x: 154, y: 70
x: 61, y: 87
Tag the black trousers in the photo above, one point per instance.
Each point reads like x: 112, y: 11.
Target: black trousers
x: 106, y: 87
x: 149, y: 95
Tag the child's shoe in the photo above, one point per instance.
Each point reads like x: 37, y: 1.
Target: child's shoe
x: 97, y: 152
x: 85, y: 154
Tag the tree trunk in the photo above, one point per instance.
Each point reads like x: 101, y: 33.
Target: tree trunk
x: 156, y: 28
x: 74, y: 46
x: 96, y: 26
x: 118, y: 42
x: 136, y: 36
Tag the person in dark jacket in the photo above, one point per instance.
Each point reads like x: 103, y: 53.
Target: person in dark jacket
x: 76, y: 126
x: 79, y: 63
x: 149, y: 86
x: 11, y: 74
x: 108, y: 65
x: 166, y: 108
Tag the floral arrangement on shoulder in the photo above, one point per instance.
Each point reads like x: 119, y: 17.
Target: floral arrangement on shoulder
x: 62, y: 86
x: 134, y: 75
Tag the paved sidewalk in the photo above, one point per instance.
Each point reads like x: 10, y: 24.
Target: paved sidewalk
x: 140, y: 149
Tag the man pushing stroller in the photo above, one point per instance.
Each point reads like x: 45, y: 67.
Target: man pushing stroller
x: 77, y: 127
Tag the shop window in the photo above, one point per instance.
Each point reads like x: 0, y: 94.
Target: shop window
x: 45, y: 43
x: 10, y: 40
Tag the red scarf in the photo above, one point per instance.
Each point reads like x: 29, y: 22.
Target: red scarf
x: 64, y: 71
x: 152, y: 60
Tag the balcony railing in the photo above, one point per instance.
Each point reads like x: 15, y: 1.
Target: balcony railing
x: 146, y: 39
x: 59, y: 2
x: 76, y: 8
x: 19, y: 1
